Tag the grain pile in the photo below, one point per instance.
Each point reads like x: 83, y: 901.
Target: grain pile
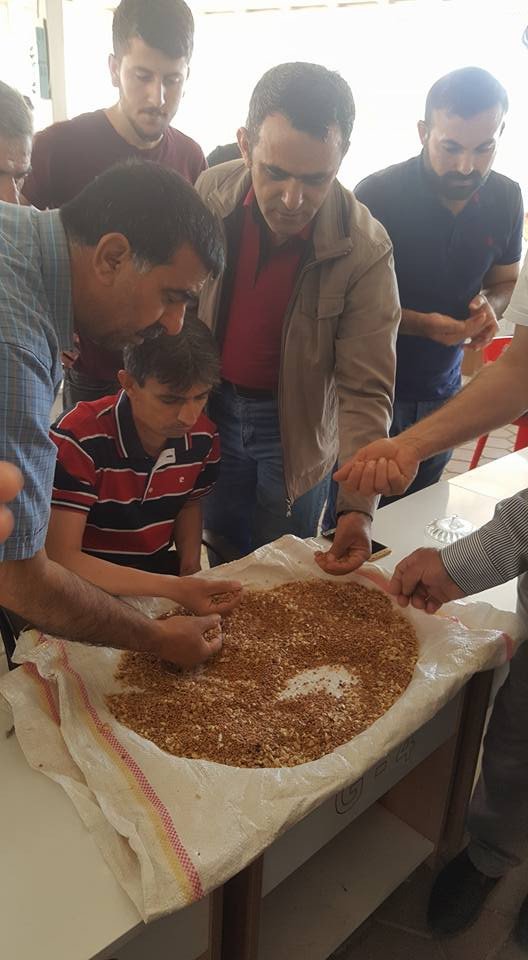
x: 351, y: 653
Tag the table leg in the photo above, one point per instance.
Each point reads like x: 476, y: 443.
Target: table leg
x: 470, y: 734
x: 242, y: 898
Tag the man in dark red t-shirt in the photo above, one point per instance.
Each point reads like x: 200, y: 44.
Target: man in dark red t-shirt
x: 153, y: 43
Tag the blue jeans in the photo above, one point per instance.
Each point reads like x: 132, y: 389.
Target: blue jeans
x: 249, y: 505
x: 406, y: 412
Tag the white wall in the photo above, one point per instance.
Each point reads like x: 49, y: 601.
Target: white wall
x: 389, y: 53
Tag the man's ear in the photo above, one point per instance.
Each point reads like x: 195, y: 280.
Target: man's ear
x: 423, y: 132
x: 126, y: 380
x: 112, y: 255
x: 113, y: 66
x: 243, y: 143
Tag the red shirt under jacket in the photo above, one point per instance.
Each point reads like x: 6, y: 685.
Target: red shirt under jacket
x: 264, y: 281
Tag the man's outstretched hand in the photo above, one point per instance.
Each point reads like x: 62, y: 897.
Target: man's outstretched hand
x: 351, y: 546
x: 385, y: 466
x: 422, y: 581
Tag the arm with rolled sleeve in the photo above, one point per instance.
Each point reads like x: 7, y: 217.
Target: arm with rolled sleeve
x: 496, y: 553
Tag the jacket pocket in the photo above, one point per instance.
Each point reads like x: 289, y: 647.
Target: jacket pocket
x: 322, y: 308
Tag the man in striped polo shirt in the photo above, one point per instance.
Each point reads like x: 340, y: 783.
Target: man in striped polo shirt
x: 132, y: 470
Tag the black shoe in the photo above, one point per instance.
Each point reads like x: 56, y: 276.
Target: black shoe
x: 458, y: 895
x: 520, y: 932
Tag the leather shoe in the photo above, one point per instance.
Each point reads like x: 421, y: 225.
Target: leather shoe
x: 458, y: 896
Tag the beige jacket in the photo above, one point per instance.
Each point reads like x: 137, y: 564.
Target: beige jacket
x: 338, y: 356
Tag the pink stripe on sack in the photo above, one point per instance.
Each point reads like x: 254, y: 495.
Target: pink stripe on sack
x: 46, y: 689
x: 145, y: 787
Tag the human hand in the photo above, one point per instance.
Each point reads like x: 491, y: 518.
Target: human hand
x: 11, y: 483
x: 187, y: 641
x: 484, y: 323
x: 351, y: 546
x: 207, y: 596
x: 422, y: 580
x: 446, y: 330
x: 385, y: 466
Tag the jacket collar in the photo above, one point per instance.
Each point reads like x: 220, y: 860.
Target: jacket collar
x: 231, y: 182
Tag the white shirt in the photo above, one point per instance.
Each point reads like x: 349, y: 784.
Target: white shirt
x: 517, y: 310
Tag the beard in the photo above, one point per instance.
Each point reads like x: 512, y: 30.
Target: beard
x: 134, y: 119
x: 453, y: 186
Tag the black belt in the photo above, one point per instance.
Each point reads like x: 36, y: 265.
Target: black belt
x: 250, y: 393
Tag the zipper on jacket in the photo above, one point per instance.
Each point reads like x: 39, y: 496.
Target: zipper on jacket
x: 287, y: 318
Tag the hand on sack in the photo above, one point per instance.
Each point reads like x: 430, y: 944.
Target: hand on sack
x: 208, y: 596
x: 351, y: 546
x: 422, y: 580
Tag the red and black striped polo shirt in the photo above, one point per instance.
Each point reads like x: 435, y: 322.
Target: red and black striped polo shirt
x: 131, y: 499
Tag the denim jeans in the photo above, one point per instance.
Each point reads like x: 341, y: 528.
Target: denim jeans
x: 249, y: 504
x: 406, y: 412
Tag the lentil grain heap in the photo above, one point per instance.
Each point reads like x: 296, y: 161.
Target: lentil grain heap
x: 304, y: 668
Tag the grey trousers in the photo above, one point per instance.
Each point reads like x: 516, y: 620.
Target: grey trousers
x: 498, y: 814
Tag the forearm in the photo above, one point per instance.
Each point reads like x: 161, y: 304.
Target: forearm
x: 116, y: 579
x: 188, y: 537
x: 499, y: 296
x: 497, y: 395
x: 496, y: 553
x: 61, y: 603
x: 413, y: 323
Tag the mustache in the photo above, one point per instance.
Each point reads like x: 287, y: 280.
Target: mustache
x: 460, y: 179
x: 152, y: 112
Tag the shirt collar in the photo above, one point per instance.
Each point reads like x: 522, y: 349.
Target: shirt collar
x: 56, y: 272
x: 128, y: 442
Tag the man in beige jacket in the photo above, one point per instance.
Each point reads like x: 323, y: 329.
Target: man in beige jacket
x: 306, y: 316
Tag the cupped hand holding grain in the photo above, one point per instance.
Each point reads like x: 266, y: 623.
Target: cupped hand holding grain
x: 188, y: 641
x: 208, y: 596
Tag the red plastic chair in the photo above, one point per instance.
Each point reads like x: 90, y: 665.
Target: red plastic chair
x: 490, y: 353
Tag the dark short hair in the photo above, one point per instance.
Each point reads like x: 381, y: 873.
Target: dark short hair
x: 181, y: 361
x: 166, y: 25
x: 222, y: 153
x: 156, y: 210
x: 465, y: 93
x: 311, y: 97
x: 16, y: 120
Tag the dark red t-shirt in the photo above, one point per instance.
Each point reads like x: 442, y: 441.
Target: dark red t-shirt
x: 263, y: 285
x: 68, y: 155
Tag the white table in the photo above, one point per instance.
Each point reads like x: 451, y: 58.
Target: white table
x: 59, y: 900
x: 501, y: 478
x: 401, y: 525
